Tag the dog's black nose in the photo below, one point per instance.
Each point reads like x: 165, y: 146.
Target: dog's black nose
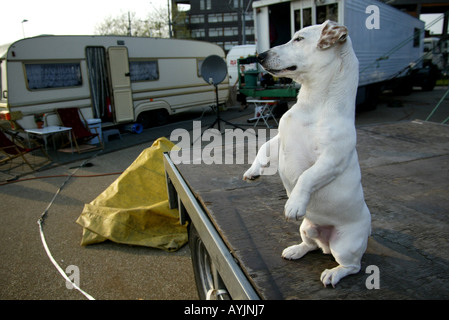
x: 262, y: 56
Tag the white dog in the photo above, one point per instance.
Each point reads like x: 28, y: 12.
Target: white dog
x: 316, y: 146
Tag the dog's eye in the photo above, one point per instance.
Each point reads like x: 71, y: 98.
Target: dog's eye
x: 298, y: 39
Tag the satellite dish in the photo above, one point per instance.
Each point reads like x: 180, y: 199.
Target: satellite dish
x: 214, y: 69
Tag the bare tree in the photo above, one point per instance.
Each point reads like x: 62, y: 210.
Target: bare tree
x: 155, y: 24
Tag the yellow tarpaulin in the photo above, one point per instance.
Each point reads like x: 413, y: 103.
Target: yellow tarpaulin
x: 134, y: 209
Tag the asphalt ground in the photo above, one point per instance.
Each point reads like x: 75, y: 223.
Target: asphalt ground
x: 110, y: 271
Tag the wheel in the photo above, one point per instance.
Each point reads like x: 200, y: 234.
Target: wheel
x: 153, y: 118
x: 429, y: 84
x: 161, y: 117
x: 208, y: 281
x: 144, y: 119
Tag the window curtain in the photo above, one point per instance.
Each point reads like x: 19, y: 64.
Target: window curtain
x: 53, y: 75
x: 98, y: 80
x: 143, y: 70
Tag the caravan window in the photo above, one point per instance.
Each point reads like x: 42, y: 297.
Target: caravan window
x: 144, y: 70
x: 53, y: 75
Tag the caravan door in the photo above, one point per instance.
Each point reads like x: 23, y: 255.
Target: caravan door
x: 121, y: 84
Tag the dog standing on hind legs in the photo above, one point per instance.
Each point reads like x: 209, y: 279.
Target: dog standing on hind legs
x: 316, y: 147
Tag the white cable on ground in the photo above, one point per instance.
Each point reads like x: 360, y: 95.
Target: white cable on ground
x: 40, y: 222
x: 63, y: 274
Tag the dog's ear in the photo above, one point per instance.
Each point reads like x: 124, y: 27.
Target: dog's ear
x: 331, y: 34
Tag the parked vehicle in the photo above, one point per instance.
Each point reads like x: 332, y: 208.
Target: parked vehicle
x: 436, y: 52
x: 388, y: 42
x: 233, y: 55
x: 115, y: 79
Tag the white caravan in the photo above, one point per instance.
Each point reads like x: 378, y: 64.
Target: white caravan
x: 115, y: 79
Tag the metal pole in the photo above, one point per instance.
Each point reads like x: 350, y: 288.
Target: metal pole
x: 169, y: 20
x: 129, y: 25
x: 242, y: 7
x: 23, y: 29
x: 438, y: 105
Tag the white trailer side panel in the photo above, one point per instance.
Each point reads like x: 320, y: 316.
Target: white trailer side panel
x: 382, y: 52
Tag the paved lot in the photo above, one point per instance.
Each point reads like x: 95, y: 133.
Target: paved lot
x: 109, y: 270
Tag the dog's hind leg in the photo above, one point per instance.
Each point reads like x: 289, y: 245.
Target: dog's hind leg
x: 267, y: 156
x: 308, y: 233
x: 347, y: 248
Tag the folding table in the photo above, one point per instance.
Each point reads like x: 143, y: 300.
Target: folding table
x: 263, y: 110
x: 48, y: 131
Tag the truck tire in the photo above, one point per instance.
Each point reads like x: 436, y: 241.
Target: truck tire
x: 208, y: 281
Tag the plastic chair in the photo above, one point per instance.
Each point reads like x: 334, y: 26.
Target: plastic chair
x: 11, y: 150
x: 73, y: 118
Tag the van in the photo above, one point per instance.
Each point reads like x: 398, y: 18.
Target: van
x: 234, y: 54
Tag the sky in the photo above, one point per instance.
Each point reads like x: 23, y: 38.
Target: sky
x: 76, y: 17
x: 64, y: 17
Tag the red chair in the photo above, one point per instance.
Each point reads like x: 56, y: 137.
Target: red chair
x: 73, y: 118
x: 11, y: 150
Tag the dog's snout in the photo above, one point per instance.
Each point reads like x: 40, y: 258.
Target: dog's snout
x: 262, y: 56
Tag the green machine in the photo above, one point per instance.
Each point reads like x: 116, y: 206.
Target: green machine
x: 267, y: 87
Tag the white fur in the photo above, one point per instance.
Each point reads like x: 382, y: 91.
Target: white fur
x: 318, y: 162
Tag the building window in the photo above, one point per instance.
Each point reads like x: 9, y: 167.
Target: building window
x: 198, y: 33
x: 216, y: 32
x: 53, y: 75
x: 205, y: 4
x: 215, y: 18
x: 249, y: 30
x: 231, y: 31
x: 230, y: 17
x: 197, y: 18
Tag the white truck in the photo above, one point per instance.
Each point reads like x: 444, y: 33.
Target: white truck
x: 115, y: 79
x: 233, y: 55
x: 388, y: 42
x: 436, y: 52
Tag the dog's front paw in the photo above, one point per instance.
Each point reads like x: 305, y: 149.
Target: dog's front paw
x: 252, y: 174
x: 295, y: 252
x: 294, y: 209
